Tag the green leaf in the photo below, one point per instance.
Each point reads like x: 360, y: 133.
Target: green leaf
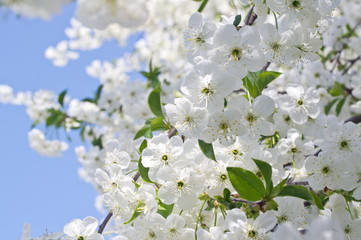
x: 136, y: 213
x: 248, y: 84
x: 51, y: 120
x: 148, y: 134
x: 272, y: 205
x: 143, y: 171
x: 202, y: 6
x: 277, y: 189
x: 143, y: 131
x: 154, y: 102
x: 317, y: 200
x: 237, y: 20
x: 266, y: 171
x: 98, y: 142
x: 34, y: 124
x: 87, y: 100
x: 152, y: 75
x: 329, y: 106
x: 266, y: 78
x: 59, y: 120
x: 227, y: 194
x: 207, y: 149
x: 165, y: 210
x: 299, y: 192
x: 210, y: 204
x: 225, y: 202
x: 56, y: 118
x: 61, y: 97
x: 337, y: 90
x: 98, y: 93
x: 339, y: 106
x: 157, y: 124
x: 246, y: 183
x: 143, y: 146
x: 82, y: 132
x: 255, y: 83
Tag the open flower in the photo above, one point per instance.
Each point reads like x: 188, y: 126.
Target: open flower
x: 79, y: 229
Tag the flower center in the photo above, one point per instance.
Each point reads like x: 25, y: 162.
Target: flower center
x: 165, y: 158
x: 236, y: 54
x: 282, y: 218
x: 325, y: 170
x: 180, y: 185
x: 199, y: 39
x: 223, y: 126
x: 252, y: 233
x: 294, y: 150
x: 173, y: 230
x: 300, y: 102
x: 275, y: 46
x: 251, y: 118
x: 207, y: 91
x: 152, y: 235
x: 344, y: 145
x: 223, y: 177
x: 296, y: 4
x: 287, y: 118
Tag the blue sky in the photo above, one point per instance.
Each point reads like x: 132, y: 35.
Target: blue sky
x: 45, y: 192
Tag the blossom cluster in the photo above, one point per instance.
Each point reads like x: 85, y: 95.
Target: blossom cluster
x: 245, y: 125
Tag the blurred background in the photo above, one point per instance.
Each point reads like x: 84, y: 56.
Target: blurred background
x: 45, y: 192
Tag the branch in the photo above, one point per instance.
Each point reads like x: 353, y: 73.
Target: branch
x: 251, y: 17
x: 354, y: 29
x: 266, y: 67
x: 258, y: 203
x: 352, y: 62
x: 337, y: 61
x: 104, y: 223
x: 136, y: 176
x: 110, y: 214
x: 172, y: 132
x: 355, y: 119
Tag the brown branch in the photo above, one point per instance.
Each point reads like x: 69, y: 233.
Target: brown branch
x: 136, y: 176
x: 266, y: 66
x: 251, y: 17
x: 172, y: 132
x: 354, y: 119
x: 110, y: 214
x: 337, y: 61
x: 352, y: 62
x: 104, y: 223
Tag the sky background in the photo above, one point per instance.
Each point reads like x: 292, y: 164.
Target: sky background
x: 45, y: 192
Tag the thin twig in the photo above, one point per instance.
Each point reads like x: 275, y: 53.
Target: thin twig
x: 355, y: 119
x: 337, y: 61
x: 104, y: 223
x: 266, y: 66
x: 136, y: 176
x: 172, y: 132
x: 110, y: 214
x: 352, y: 62
x: 251, y: 17
x: 354, y: 29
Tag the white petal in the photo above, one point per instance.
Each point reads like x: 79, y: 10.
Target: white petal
x: 263, y: 106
